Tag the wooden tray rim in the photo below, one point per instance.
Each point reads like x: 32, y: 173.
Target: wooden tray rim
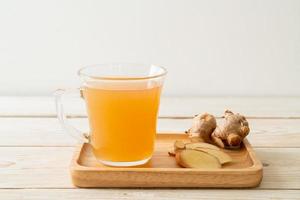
x: 257, y: 165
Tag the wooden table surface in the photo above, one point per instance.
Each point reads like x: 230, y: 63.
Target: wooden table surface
x: 35, y: 152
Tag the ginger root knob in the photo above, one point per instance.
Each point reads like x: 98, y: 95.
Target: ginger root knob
x: 202, y: 127
x: 232, y: 132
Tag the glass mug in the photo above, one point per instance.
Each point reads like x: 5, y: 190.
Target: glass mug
x: 122, y: 102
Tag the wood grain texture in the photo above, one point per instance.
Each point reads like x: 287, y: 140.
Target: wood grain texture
x: 35, y: 167
x: 41, y: 164
x: 170, y: 106
x: 48, y: 167
x: 148, y: 194
x: 47, y: 131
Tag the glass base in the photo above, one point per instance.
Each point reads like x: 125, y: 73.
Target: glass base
x: 125, y: 164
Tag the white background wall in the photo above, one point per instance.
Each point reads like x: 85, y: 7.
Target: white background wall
x: 210, y: 47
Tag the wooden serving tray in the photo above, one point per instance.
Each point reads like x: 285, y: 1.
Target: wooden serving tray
x: 163, y: 171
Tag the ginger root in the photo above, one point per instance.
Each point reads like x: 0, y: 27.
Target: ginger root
x: 178, y: 145
x: 232, y: 132
x: 202, y: 127
x: 171, y: 152
x: 220, y: 155
x: 196, y: 159
x: 198, y: 155
x: 201, y: 145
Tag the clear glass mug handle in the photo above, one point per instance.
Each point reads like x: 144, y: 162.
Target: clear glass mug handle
x: 62, y: 117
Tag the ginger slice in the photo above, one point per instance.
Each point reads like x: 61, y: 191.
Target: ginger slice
x: 197, y: 159
x: 201, y: 145
x: 171, y: 152
x: 196, y: 139
x: 220, y: 155
x: 179, y: 145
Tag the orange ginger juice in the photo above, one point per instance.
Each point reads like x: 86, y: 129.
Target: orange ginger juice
x: 122, y: 122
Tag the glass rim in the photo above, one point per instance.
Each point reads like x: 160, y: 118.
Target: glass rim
x: 82, y: 74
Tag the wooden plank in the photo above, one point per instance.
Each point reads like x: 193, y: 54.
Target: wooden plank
x: 35, y: 167
x: 47, y: 131
x: 149, y: 194
x: 48, y: 167
x: 170, y: 106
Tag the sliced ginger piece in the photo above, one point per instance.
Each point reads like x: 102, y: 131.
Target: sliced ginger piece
x: 197, y: 159
x: 171, y: 152
x: 220, y: 155
x: 179, y: 145
x: 201, y: 145
x: 196, y: 139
